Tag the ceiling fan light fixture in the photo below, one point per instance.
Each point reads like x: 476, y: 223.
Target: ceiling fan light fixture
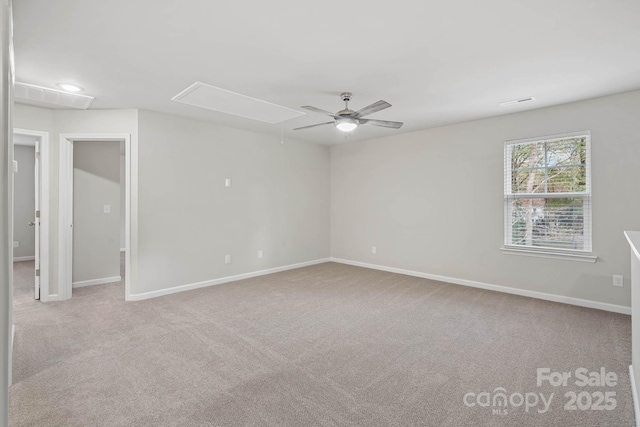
x: 346, y: 125
x: 347, y: 120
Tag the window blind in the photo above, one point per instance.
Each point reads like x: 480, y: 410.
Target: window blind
x: 547, y: 193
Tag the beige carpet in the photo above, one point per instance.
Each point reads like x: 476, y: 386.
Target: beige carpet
x: 327, y: 345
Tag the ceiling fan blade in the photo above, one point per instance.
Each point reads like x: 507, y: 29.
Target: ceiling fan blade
x: 370, y: 109
x: 383, y: 123
x: 318, y: 110
x: 312, y: 126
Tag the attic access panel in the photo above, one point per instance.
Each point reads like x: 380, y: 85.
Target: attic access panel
x: 214, y: 98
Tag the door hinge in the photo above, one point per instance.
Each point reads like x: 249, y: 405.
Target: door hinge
x: 37, y: 214
x: 37, y: 272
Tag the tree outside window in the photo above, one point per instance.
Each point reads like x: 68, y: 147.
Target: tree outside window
x: 547, y: 193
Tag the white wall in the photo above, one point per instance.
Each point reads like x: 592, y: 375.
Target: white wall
x: 24, y: 201
x: 77, y: 121
x: 96, y: 234
x: 278, y: 202
x: 6, y: 210
x: 432, y: 201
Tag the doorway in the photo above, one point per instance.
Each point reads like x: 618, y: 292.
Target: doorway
x: 101, y: 210
x: 31, y: 214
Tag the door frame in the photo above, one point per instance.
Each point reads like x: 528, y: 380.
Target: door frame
x: 36, y: 219
x: 65, y: 225
x: 45, y: 157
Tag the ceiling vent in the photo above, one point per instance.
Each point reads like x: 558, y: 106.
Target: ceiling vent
x: 224, y: 101
x: 517, y: 101
x: 44, y: 95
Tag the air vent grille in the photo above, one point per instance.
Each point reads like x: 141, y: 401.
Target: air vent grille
x: 51, y: 96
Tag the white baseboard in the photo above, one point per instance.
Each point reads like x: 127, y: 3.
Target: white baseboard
x: 23, y: 258
x: 506, y: 289
x: 52, y: 297
x: 634, y: 392
x: 198, y: 285
x: 101, y: 281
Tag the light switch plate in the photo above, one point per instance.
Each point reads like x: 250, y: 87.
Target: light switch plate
x: 227, y: 259
x: 618, y: 280
x: 259, y: 254
x: 227, y: 182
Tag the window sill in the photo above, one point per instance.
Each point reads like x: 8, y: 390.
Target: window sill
x: 549, y: 254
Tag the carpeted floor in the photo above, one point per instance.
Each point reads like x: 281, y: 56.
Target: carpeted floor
x: 327, y: 345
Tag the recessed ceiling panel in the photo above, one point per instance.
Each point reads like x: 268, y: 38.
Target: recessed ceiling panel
x: 214, y: 98
x: 27, y: 92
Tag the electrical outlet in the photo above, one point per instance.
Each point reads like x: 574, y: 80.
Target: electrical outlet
x: 227, y: 259
x: 259, y: 254
x: 618, y: 280
x: 106, y: 209
x: 374, y: 250
x: 16, y: 244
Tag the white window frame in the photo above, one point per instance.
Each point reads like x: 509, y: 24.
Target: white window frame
x: 546, y: 252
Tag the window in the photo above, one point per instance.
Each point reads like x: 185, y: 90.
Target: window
x: 547, y: 193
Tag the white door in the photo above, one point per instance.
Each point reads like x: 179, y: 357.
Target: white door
x: 36, y: 220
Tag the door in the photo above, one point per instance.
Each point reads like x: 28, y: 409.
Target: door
x: 36, y: 220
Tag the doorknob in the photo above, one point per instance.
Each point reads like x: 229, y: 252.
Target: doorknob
x: 31, y: 223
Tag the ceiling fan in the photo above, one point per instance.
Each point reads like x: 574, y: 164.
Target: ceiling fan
x: 347, y: 120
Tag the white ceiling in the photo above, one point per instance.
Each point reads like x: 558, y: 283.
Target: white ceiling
x: 437, y: 62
